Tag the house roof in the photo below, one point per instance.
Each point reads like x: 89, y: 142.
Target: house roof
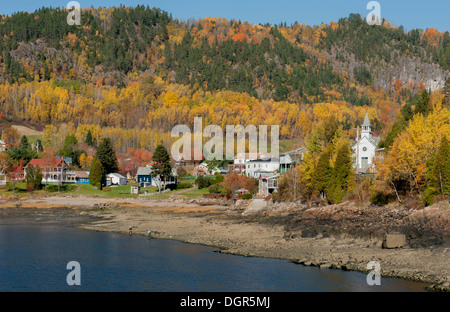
x: 81, y: 174
x: 42, y: 163
x: 116, y: 175
x: 68, y: 160
x: 373, y: 140
x: 144, y: 171
x: 266, y: 160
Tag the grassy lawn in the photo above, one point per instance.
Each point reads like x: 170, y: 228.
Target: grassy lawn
x: 196, y: 193
x: 122, y: 191
x: 287, y: 145
x: 190, y: 194
x: 33, y: 138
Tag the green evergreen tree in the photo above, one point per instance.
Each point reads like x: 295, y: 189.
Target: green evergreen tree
x: 343, y: 170
x: 24, y: 142
x: 89, y: 141
x: 446, y: 92
x: 163, y: 169
x: 341, y: 177
x: 322, y: 172
x: 69, y: 141
x: 97, y: 173
x: 23, y: 151
x: 107, y: 156
x: 438, y: 173
x: 442, y: 167
x: 422, y: 104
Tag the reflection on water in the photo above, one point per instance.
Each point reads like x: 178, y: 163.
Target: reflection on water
x: 34, y: 258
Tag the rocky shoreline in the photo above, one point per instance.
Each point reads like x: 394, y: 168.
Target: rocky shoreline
x: 344, y: 237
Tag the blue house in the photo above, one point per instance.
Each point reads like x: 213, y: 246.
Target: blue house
x: 82, y: 177
x: 144, y: 177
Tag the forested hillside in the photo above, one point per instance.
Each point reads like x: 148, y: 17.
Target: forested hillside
x: 134, y: 73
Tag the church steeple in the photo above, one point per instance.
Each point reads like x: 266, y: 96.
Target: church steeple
x: 366, y: 127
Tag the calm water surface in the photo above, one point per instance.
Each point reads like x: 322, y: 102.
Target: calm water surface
x: 34, y: 258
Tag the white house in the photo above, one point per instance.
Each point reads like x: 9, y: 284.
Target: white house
x: 55, y: 170
x: 261, y: 167
x: 117, y: 179
x: 290, y: 159
x: 365, y: 147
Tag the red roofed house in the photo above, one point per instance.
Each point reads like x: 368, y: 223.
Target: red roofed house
x: 54, y: 171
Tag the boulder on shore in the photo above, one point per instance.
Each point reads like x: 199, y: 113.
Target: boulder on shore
x: 394, y: 241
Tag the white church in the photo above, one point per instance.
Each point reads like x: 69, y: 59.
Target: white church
x: 365, y: 147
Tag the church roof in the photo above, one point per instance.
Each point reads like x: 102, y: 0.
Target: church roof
x: 373, y: 140
x: 366, y: 121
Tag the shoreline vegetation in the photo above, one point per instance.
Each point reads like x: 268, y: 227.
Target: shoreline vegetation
x: 344, y: 236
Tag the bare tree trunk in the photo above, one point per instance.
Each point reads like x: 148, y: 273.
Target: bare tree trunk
x: 395, y: 189
x: 441, y: 183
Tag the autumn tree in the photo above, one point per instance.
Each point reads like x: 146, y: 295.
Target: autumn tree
x: 290, y: 187
x: 34, y: 177
x: 6, y: 163
x: 85, y: 161
x: 10, y: 136
x: 405, y: 168
x: 234, y: 181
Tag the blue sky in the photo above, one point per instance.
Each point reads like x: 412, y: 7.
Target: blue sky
x: 409, y: 13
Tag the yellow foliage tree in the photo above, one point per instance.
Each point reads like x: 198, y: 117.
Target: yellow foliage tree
x: 414, y: 147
